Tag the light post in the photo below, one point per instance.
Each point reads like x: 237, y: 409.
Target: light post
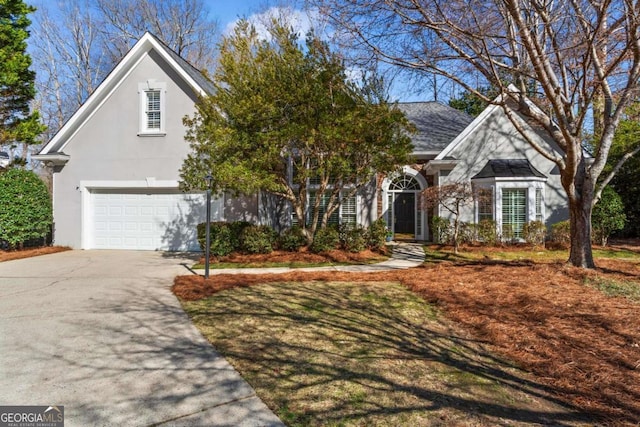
x: 207, y: 247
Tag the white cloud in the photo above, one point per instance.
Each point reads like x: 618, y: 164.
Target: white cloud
x: 302, y: 21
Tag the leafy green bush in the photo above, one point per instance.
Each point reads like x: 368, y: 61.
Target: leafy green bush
x: 326, y: 239
x: 442, y: 229
x: 257, y: 239
x: 607, y: 216
x: 561, y: 232
x: 534, y: 233
x: 377, y: 234
x: 292, y: 239
x: 352, y: 237
x: 237, y: 228
x: 488, y: 232
x: 25, y: 207
x: 221, y: 242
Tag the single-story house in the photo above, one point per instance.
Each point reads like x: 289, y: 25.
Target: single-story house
x: 116, y: 165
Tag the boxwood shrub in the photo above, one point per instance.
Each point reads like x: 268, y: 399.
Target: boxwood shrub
x: 377, y: 234
x: 326, y: 239
x: 257, y: 239
x: 292, y: 239
x: 561, y: 233
x: 221, y: 240
x: 352, y: 237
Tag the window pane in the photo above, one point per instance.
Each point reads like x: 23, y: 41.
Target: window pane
x: 485, y: 204
x: 348, y: 209
x: 539, y: 204
x: 514, y: 211
x: 404, y: 182
x: 153, y: 109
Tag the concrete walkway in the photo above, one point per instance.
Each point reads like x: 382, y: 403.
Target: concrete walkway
x: 404, y: 255
x: 100, y: 333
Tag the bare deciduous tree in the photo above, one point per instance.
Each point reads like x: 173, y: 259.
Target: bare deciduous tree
x: 184, y: 25
x: 552, y: 60
x: 453, y: 198
x: 75, y: 47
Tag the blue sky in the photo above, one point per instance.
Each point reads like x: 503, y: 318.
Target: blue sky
x: 227, y: 11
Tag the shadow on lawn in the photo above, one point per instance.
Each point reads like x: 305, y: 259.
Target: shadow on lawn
x: 323, y: 353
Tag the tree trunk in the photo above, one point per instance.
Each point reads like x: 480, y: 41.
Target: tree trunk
x: 581, y: 254
x: 456, y: 234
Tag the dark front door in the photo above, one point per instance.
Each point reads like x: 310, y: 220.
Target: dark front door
x: 405, y: 213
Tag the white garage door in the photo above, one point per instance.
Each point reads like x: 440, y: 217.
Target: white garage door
x: 144, y: 220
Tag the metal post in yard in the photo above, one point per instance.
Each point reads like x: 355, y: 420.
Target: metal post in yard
x: 207, y: 247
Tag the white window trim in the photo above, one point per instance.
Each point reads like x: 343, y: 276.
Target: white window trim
x: 421, y: 214
x: 143, y: 88
x: 493, y: 202
x: 498, y: 184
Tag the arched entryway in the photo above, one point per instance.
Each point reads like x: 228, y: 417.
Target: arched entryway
x: 401, y: 204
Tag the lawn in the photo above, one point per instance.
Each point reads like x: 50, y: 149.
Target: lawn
x: 435, y: 345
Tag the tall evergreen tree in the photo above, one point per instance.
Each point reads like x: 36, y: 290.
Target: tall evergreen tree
x: 284, y: 119
x: 19, y: 125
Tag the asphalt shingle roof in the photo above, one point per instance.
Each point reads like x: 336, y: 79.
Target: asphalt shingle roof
x: 192, y: 71
x: 508, y: 168
x: 437, y: 124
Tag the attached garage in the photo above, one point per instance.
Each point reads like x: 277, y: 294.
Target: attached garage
x: 145, y: 219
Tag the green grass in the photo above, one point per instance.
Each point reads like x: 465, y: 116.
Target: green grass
x: 616, y: 288
x: 353, y: 354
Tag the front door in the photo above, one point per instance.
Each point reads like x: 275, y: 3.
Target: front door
x: 404, y: 209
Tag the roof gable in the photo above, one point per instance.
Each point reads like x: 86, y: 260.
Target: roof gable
x: 194, y: 78
x: 469, y: 130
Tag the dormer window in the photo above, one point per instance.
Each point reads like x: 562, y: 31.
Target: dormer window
x: 152, y: 114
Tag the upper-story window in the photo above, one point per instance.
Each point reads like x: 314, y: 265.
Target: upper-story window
x: 152, y: 108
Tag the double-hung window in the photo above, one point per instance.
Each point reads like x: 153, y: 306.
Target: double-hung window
x: 514, y: 211
x: 152, y: 108
x: 485, y: 204
x: 153, y: 112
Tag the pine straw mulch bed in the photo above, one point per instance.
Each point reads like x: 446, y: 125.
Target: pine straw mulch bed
x: 583, y: 345
x: 31, y: 252
x: 304, y: 256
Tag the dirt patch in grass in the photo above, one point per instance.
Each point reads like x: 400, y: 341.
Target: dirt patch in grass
x: 355, y: 354
x: 580, y: 343
x: 31, y: 252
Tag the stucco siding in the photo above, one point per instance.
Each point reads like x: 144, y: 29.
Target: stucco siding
x: 497, y: 138
x: 107, y: 147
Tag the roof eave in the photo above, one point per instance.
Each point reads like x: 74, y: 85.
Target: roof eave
x: 436, y: 165
x: 56, y: 159
x: 146, y: 43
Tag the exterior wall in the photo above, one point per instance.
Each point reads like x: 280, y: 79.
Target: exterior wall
x: 107, y: 147
x: 496, y: 138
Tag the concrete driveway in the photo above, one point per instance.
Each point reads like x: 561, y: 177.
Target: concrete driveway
x: 100, y: 333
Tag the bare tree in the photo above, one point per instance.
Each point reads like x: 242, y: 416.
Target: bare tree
x: 70, y: 59
x: 184, y: 25
x: 75, y: 47
x: 550, y: 59
x: 453, y: 198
